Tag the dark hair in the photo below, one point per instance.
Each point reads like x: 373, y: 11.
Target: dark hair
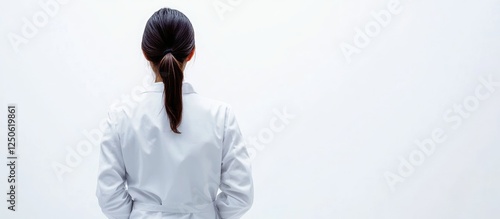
x: 167, y: 42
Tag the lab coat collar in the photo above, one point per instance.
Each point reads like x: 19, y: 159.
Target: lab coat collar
x: 187, y: 88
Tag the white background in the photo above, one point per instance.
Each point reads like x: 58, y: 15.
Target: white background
x: 353, y: 121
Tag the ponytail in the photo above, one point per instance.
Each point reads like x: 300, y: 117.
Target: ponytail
x: 172, y: 76
x: 168, y: 43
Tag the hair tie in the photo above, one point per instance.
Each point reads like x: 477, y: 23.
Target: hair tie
x: 167, y: 51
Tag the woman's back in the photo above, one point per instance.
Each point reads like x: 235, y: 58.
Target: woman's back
x: 166, y: 167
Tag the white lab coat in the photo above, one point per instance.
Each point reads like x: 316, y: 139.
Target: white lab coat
x: 147, y: 171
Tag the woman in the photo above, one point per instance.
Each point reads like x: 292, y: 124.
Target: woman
x: 168, y: 156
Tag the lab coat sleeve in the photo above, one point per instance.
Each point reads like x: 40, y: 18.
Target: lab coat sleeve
x: 236, y: 196
x: 114, y: 199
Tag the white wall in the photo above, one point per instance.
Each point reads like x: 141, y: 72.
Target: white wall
x: 355, y: 116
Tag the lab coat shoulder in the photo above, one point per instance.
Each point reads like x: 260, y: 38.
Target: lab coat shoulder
x: 196, y: 101
x: 205, y: 110
x: 114, y: 119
